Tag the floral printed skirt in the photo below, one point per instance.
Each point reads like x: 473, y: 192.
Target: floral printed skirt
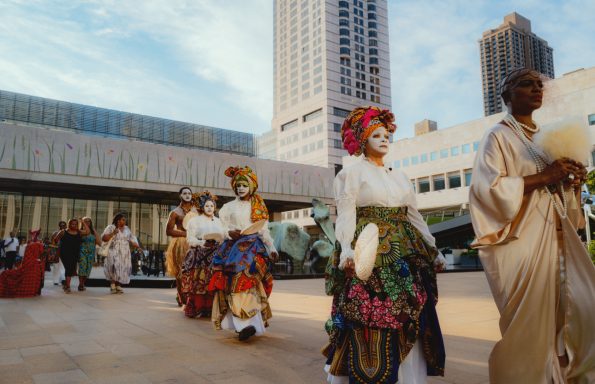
x: 383, y: 317
x: 196, y: 273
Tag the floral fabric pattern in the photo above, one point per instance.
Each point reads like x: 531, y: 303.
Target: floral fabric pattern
x: 400, y: 295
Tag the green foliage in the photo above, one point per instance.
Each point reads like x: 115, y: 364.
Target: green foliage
x: 592, y: 250
x: 591, y: 181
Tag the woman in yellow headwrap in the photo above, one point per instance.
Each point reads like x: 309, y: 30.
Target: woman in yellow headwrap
x: 241, y: 280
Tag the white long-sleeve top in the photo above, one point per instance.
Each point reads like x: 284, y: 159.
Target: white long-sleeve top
x: 236, y: 215
x: 365, y: 184
x: 201, y: 225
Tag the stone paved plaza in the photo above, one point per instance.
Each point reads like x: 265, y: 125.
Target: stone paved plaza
x: 143, y: 337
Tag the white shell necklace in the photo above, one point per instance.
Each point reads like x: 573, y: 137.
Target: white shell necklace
x: 540, y: 161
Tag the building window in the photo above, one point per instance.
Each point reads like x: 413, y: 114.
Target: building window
x: 406, y: 162
x: 443, y: 153
x: 397, y: 163
x: 466, y: 148
x: 288, y: 126
x: 337, y: 127
x: 344, y: 41
x: 373, y: 60
x: 313, y: 115
x: 433, y: 156
x: 340, y: 112
x: 592, y: 119
x: 344, y: 32
x: 454, y: 180
x: 468, y: 173
x: 475, y: 146
x: 424, y: 184
x: 454, y: 151
x: 423, y: 158
x: 344, y: 4
x: 414, y: 160
x: 438, y: 181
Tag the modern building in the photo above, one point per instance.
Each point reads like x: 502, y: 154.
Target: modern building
x: 60, y: 160
x: 329, y: 57
x: 511, y: 45
x: 440, y: 163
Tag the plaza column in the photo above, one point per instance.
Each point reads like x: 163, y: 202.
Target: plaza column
x: 36, y: 219
x: 89, y: 208
x: 64, y: 213
x: 133, y: 220
x: 155, y: 224
x: 110, y: 212
x: 9, y: 215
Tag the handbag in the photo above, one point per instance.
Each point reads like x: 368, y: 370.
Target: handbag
x: 103, y: 249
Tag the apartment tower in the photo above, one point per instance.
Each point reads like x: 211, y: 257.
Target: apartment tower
x: 329, y: 57
x: 511, y: 45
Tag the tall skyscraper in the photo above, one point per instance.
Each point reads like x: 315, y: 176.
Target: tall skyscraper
x: 511, y: 45
x: 329, y: 57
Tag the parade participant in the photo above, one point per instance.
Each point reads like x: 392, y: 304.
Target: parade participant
x: 241, y: 265
x: 118, y: 265
x: 87, y: 254
x: 54, y: 255
x: 70, y: 247
x: 178, y: 246
x: 384, y: 328
x: 11, y: 244
x: 204, y: 234
x: 27, y: 279
x: 525, y: 216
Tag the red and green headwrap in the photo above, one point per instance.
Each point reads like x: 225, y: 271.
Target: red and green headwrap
x: 259, y: 210
x: 359, y: 125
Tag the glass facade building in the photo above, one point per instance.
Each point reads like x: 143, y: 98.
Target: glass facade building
x: 22, y: 211
x: 21, y: 108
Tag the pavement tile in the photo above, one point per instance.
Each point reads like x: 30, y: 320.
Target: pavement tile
x: 10, y: 356
x: 50, y: 362
x: 82, y: 348
x: 75, y: 376
x: 40, y: 350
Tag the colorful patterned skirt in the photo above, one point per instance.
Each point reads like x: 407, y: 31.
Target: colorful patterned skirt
x: 196, y: 273
x: 374, y: 324
x: 241, y: 281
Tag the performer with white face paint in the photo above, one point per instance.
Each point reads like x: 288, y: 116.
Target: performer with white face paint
x: 178, y: 247
x: 242, y: 281
x: 204, y: 234
x: 383, y: 328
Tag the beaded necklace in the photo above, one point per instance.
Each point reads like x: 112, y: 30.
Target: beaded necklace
x: 540, y: 161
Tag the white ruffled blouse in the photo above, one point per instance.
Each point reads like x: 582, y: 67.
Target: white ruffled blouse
x: 366, y: 184
x: 200, y: 226
x: 236, y: 215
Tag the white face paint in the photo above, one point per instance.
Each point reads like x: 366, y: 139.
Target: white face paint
x: 378, y: 141
x: 242, y: 189
x: 209, y: 208
x: 186, y: 195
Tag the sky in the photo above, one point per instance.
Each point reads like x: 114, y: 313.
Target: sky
x: 210, y: 61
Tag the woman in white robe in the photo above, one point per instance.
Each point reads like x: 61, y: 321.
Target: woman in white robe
x: 540, y: 274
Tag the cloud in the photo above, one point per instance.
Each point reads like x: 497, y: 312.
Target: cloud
x: 153, y: 58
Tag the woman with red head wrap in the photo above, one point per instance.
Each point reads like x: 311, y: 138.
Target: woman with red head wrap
x: 241, y: 266
x: 383, y: 324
